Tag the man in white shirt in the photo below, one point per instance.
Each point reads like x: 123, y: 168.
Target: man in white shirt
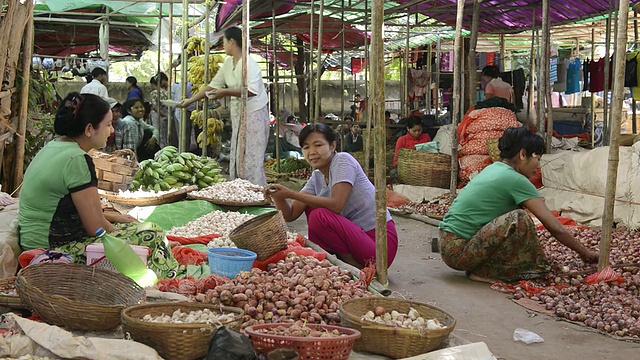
x: 96, y: 85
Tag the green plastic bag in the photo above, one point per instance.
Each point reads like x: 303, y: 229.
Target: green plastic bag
x: 180, y: 213
x: 429, y: 147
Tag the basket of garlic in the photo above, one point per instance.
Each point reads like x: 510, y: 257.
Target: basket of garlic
x: 394, y: 327
x: 236, y: 193
x: 147, y: 198
x: 179, y: 330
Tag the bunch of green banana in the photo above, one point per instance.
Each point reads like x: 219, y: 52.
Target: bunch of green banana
x: 290, y: 165
x: 171, y: 169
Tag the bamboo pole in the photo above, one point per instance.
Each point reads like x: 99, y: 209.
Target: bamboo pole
x: 276, y: 111
x: 531, y: 118
x: 428, y: 95
x: 367, y: 138
x: 170, y: 111
x: 607, y: 71
x: 291, y: 73
x: 457, y: 89
x: 310, y: 104
x: 242, y: 137
x: 502, y: 53
x: 614, y: 148
x: 438, y: 63
x: 23, y: 114
x: 471, y: 57
x: 593, y: 98
x: 546, y: 53
x: 634, y: 125
x: 159, y: 60
x: 316, y: 103
x: 378, y: 108
x: 406, y: 69
x: 207, y: 42
x: 541, y: 99
x: 184, y: 138
x: 342, y: 70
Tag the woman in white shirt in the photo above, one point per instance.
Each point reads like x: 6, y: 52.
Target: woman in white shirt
x: 228, y: 82
x: 96, y: 85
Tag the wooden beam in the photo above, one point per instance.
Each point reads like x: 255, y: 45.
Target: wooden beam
x: 471, y: 57
x: 457, y: 90
x: 614, y: 147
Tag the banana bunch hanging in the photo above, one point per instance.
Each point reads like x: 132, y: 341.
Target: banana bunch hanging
x: 197, y: 67
x: 214, y: 128
x: 196, y: 45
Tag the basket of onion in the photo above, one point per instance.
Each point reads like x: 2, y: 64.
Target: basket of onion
x: 310, y: 341
x: 394, y: 327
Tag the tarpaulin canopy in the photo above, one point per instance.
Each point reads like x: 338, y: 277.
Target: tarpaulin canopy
x: 229, y: 12
x: 508, y: 16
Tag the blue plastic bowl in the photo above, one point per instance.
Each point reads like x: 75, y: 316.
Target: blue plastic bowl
x: 229, y: 262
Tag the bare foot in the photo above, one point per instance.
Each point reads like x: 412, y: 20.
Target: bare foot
x: 475, y: 277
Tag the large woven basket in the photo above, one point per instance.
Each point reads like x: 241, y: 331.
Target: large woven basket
x: 115, y: 171
x: 174, y: 196
x: 420, y: 168
x: 394, y: 342
x: 265, y: 235
x: 9, y: 300
x: 175, y: 341
x: 78, y: 297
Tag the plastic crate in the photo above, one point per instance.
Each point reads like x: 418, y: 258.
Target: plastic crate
x: 229, y: 262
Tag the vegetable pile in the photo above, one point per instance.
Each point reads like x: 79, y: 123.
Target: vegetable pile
x: 289, y: 165
x: 216, y: 222
x: 297, y: 288
x: 438, y: 207
x: 205, y: 316
x: 412, y: 320
x: 611, y: 307
x: 299, y: 329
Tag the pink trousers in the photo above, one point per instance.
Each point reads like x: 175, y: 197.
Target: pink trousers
x: 338, y: 235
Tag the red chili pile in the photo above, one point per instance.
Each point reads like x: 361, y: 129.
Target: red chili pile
x: 297, y: 288
x: 612, y: 307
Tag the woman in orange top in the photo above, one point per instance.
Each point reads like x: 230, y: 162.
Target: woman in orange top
x: 413, y: 137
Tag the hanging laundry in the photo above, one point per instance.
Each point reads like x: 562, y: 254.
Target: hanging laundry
x: 573, y: 77
x: 631, y: 70
x: 446, y: 61
x: 635, y: 91
x: 586, y: 80
x: 596, y: 69
x: 418, y: 84
x: 561, y: 84
x: 553, y: 72
x: 517, y: 79
x: 491, y: 59
x: 357, y: 65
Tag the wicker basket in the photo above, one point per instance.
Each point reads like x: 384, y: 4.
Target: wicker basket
x: 78, y: 297
x: 316, y: 348
x: 10, y: 301
x: 494, y: 151
x: 265, y: 235
x: 175, y: 341
x: 391, y: 341
x: 115, y: 171
x: 420, y: 168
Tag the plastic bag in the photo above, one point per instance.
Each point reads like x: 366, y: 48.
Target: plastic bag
x: 230, y: 345
x: 526, y: 336
x: 429, y: 147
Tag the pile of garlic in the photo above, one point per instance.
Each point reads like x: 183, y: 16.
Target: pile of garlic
x: 205, y: 316
x: 141, y: 194
x: 216, y: 222
x: 238, y: 190
x: 412, y: 320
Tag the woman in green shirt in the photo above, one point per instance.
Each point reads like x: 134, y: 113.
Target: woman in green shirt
x: 487, y: 232
x: 60, y: 206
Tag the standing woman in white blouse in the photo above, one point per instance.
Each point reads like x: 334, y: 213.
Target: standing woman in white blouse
x: 228, y: 82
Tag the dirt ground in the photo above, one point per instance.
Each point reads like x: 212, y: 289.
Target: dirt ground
x: 481, y: 313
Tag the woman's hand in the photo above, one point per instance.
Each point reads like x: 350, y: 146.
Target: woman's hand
x: 114, y: 217
x: 184, y: 103
x: 215, y: 94
x: 590, y: 257
x: 275, y: 192
x: 151, y: 143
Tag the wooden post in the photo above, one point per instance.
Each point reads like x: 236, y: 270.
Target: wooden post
x: 531, y: 115
x: 634, y: 125
x: 246, y: 43
x: 503, y: 53
x: 593, y: 98
x: 207, y: 75
x: 607, y: 71
x: 438, y: 62
x: 159, y: 59
x: 275, y: 94
x: 546, y: 58
x: 310, y: 107
x: 377, y: 113
x: 367, y: 134
x: 457, y: 89
x: 407, y: 107
x: 27, y: 54
x: 471, y: 57
x: 170, y: 111
x: 184, y: 139
x: 428, y: 95
x: 342, y: 71
x: 614, y: 148
x: 316, y: 103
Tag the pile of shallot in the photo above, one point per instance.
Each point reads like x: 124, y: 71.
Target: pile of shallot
x: 297, y: 288
x: 612, y: 307
x: 438, y: 207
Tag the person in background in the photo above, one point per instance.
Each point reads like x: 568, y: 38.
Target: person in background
x: 338, y: 199
x: 159, y: 115
x: 60, y: 208
x: 356, y: 112
x: 95, y: 83
x: 131, y: 84
x: 247, y: 152
x: 353, y: 141
x: 136, y: 134
x: 496, y: 87
x: 413, y: 137
x: 116, y: 123
x: 487, y: 231
x: 176, y: 95
x: 289, y: 131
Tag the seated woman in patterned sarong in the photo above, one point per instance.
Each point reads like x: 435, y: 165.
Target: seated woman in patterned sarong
x: 60, y: 208
x: 487, y: 232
